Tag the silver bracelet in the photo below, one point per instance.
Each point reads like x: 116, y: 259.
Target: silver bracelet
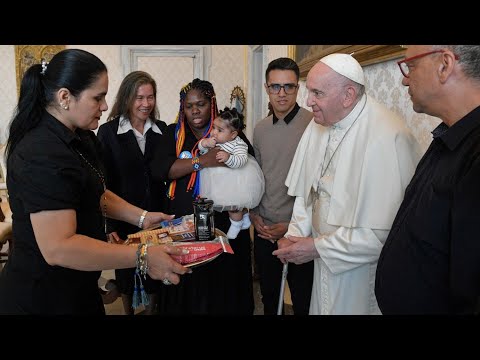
x: 142, y: 219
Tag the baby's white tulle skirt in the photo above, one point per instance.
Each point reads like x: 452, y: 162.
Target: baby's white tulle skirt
x: 233, y: 189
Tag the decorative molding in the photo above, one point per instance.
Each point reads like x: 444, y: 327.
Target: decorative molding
x: 308, y: 55
x: 202, y: 56
x: 256, y: 96
x: 28, y: 55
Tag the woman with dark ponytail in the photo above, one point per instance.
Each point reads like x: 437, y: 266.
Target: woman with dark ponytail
x: 58, y: 196
x: 223, y: 286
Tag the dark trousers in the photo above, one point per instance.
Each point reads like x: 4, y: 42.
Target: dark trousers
x: 300, y: 279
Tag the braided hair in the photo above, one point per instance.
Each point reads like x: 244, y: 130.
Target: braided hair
x: 233, y: 118
x: 205, y: 88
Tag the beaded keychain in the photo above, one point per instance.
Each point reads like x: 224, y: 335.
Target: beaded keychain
x: 139, y: 294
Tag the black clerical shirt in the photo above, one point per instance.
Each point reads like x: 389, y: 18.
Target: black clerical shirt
x: 430, y: 262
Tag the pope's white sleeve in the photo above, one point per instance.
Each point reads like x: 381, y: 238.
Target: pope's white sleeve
x: 348, y: 248
x: 301, y: 221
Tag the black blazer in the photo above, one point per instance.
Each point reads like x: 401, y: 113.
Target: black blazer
x: 128, y: 170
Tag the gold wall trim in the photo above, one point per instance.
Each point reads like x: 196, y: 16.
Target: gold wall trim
x: 308, y: 55
x: 28, y: 55
x: 291, y: 51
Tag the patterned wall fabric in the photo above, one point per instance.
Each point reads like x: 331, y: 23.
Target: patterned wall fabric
x: 8, y: 88
x: 384, y: 83
x: 171, y: 74
x: 275, y: 51
x: 227, y: 71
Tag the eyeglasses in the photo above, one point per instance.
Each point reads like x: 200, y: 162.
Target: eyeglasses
x: 288, y: 88
x: 405, y: 69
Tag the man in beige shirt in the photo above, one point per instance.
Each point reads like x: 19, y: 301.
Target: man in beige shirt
x: 275, y: 139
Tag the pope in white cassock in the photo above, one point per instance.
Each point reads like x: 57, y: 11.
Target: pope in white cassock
x: 349, y: 176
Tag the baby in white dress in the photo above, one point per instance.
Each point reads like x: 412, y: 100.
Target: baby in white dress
x: 240, y: 185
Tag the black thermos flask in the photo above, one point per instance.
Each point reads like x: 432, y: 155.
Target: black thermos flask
x: 204, y: 219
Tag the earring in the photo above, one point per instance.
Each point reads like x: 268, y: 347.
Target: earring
x: 65, y: 106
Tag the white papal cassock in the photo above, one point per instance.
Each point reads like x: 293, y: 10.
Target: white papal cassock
x: 348, y: 202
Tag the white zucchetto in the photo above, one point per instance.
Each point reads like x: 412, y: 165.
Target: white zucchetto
x: 345, y: 65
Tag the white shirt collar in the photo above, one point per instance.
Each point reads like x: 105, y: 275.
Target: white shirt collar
x: 124, y: 126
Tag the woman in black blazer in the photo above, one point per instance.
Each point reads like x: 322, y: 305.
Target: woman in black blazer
x: 130, y: 137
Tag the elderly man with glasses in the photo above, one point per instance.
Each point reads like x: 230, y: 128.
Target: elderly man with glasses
x: 349, y: 175
x: 430, y: 263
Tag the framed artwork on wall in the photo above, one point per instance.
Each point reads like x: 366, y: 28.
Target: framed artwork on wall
x: 27, y: 55
x: 308, y: 55
x: 237, y: 99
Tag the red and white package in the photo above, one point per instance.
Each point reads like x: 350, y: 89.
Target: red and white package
x: 201, y: 252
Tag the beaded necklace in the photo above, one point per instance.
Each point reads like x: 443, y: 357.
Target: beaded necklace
x: 100, y: 175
